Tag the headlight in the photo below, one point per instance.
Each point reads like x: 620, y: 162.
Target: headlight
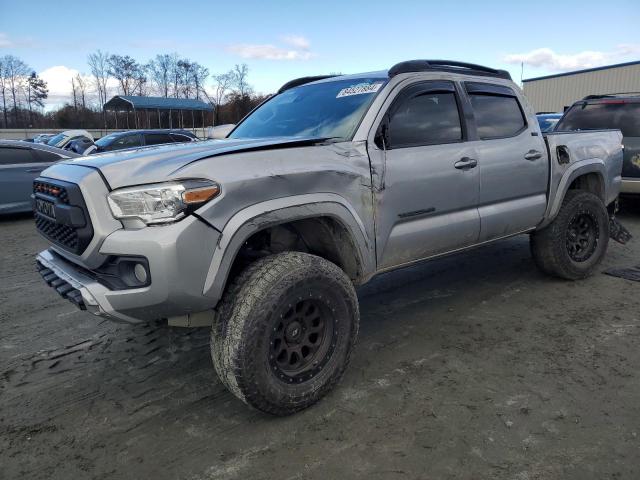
x: 161, y: 202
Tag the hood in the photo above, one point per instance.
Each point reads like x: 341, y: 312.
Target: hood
x: 163, y: 162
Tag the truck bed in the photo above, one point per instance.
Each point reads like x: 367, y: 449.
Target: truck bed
x: 571, y: 151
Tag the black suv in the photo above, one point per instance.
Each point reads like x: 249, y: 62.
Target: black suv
x: 621, y: 111
x: 141, y: 138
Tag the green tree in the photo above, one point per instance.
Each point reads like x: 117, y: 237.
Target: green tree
x: 37, y: 92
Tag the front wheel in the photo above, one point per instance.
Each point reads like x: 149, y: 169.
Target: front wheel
x: 575, y: 242
x: 284, y: 332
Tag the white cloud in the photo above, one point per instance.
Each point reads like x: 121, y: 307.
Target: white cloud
x: 23, y: 42
x: 297, y: 41
x: 58, y: 80
x: 5, y: 42
x: 555, y: 62
x: 297, y: 49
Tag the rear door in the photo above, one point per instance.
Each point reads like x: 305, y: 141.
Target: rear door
x: 513, y: 162
x: 428, y: 204
x: 19, y: 166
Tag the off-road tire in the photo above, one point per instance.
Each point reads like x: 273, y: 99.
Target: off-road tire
x: 550, y: 246
x: 242, y: 343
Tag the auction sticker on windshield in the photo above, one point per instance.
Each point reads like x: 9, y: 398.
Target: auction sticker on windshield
x: 359, y: 89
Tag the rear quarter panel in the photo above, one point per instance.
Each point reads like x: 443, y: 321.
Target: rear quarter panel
x: 597, y: 151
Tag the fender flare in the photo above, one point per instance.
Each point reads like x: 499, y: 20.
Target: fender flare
x: 273, y: 212
x: 575, y: 170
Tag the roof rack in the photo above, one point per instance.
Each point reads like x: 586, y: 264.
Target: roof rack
x: 612, y: 95
x: 296, y: 82
x: 446, y: 66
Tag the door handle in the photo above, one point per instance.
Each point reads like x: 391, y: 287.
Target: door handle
x: 466, y: 163
x: 532, y: 155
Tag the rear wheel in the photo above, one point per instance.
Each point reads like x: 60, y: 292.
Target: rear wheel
x: 573, y: 245
x: 285, y: 331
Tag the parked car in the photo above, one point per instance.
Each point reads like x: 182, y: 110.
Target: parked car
x: 80, y: 145
x: 140, y: 138
x: 20, y: 163
x: 62, y: 140
x: 548, y: 121
x: 220, y: 131
x: 43, y: 137
x: 621, y: 111
x: 330, y: 182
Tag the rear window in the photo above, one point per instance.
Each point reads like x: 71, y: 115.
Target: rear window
x: 497, y: 116
x: 157, y: 138
x: 595, y: 116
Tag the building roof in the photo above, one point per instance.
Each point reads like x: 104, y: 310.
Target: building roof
x: 566, y: 74
x: 156, y: 103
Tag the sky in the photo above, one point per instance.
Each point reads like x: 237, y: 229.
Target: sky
x: 281, y: 40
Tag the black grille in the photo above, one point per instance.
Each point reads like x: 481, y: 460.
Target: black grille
x: 61, y: 234
x: 71, y: 228
x: 51, y: 190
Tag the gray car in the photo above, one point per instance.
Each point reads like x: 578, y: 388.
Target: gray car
x: 20, y: 163
x: 330, y: 182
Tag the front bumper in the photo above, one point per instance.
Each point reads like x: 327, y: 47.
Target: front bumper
x: 179, y: 256
x: 630, y: 186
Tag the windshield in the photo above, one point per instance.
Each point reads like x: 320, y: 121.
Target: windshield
x: 611, y: 114
x: 57, y: 140
x: 106, y: 141
x: 328, y: 109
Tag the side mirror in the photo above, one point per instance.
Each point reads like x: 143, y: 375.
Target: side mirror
x: 220, y: 131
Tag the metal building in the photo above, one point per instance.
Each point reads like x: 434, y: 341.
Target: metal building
x: 555, y: 92
x: 148, y: 111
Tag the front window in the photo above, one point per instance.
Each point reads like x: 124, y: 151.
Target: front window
x: 106, y: 140
x: 616, y: 114
x: 331, y: 109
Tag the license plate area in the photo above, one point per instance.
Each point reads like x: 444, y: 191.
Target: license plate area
x: 46, y: 208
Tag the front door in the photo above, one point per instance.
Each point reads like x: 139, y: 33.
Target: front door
x: 19, y: 166
x: 428, y: 203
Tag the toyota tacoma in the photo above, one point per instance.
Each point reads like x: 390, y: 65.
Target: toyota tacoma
x: 331, y: 181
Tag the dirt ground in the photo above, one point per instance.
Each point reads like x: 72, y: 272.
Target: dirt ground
x: 474, y: 366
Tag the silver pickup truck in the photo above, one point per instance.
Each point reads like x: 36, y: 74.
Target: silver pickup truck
x: 333, y: 180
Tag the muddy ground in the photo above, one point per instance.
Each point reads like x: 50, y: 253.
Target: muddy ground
x: 474, y: 366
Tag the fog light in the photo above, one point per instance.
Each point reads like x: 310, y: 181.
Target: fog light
x: 140, y: 273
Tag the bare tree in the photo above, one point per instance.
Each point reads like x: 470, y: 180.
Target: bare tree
x: 240, y: 82
x: 99, y: 65
x: 81, y: 88
x: 3, y: 89
x: 160, y: 71
x: 128, y: 73
x: 199, y: 75
x: 16, y: 71
x: 221, y: 85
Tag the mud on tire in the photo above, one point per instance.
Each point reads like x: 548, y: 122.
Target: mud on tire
x: 284, y: 332
x: 573, y: 245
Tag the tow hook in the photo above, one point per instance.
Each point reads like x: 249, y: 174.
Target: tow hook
x: 617, y: 231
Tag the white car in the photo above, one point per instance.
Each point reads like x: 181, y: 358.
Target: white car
x: 63, y: 139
